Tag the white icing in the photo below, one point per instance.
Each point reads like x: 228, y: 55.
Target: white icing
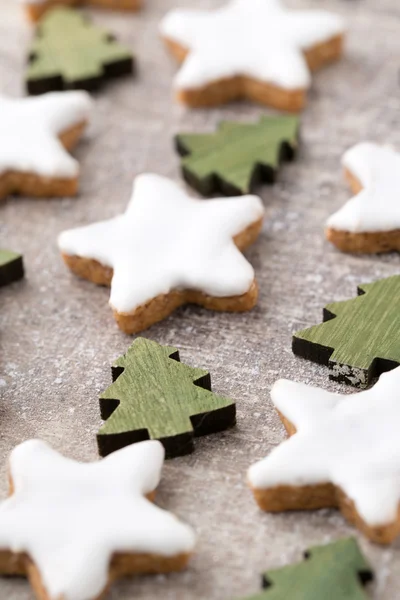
x: 29, y: 130
x: 377, y: 206
x: 351, y: 441
x: 71, y: 518
x: 167, y: 240
x: 256, y: 38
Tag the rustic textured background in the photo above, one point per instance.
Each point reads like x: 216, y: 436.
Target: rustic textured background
x: 58, y: 337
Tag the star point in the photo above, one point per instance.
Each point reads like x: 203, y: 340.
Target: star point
x: 370, y: 220
x: 250, y: 48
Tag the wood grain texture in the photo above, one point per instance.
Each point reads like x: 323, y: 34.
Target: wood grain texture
x: 155, y: 397
x: 11, y: 267
x: 70, y: 53
x: 57, y: 340
x: 337, y: 571
x: 360, y: 338
x: 239, y: 156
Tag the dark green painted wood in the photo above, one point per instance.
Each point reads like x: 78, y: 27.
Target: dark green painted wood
x: 11, y: 267
x: 155, y: 397
x: 70, y: 53
x: 337, y: 571
x: 239, y: 156
x: 360, y: 338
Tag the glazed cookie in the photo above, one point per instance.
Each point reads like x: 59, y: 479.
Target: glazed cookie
x: 73, y: 528
x: 344, y: 451
x: 359, y: 338
x: 369, y: 222
x: 255, y: 49
x: 35, y: 134
x: 36, y: 8
x: 169, y: 249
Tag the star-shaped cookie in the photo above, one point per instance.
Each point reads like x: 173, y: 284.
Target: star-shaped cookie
x: 255, y: 49
x: 169, y: 249
x: 343, y: 451
x: 36, y: 8
x: 72, y: 528
x: 35, y: 134
x: 370, y: 221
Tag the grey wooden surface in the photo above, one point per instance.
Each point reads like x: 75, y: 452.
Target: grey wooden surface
x: 58, y: 337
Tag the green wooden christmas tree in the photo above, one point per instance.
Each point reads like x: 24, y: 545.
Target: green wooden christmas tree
x: 11, y: 267
x: 70, y: 53
x: 337, y: 571
x: 156, y: 397
x: 360, y: 338
x: 238, y: 156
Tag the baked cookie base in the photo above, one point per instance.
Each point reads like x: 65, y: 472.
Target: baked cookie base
x: 35, y: 11
x: 325, y: 495
x: 159, y: 308
x: 234, y: 88
x: 374, y: 242
x: 30, y: 184
x: 121, y: 565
